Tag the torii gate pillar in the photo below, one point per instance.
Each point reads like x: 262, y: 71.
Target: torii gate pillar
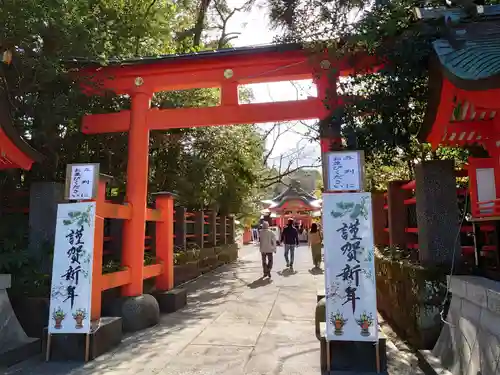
x: 136, y: 192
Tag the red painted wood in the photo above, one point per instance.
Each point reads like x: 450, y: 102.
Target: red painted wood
x: 443, y: 116
x: 410, y: 201
x: 11, y: 156
x: 409, y: 186
x: 208, y: 116
x: 182, y: 74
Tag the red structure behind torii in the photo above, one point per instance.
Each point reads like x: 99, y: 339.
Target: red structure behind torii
x: 15, y: 152
x: 224, y: 69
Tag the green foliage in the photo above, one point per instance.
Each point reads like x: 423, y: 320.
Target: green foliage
x: 27, y: 276
x: 217, y: 167
x: 205, y: 167
x: 111, y: 266
x: 389, y: 107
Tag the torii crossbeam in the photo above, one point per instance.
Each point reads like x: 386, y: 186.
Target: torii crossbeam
x: 225, y: 69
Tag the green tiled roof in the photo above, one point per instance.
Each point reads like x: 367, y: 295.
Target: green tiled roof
x: 471, y: 51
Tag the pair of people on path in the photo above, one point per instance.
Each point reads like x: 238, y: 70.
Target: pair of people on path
x: 290, y: 240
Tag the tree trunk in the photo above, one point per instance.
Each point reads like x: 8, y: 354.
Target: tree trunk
x: 200, y: 22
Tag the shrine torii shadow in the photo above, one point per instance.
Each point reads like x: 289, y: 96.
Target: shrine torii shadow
x: 224, y: 69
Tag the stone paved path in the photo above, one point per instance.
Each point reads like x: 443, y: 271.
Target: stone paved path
x: 234, y: 324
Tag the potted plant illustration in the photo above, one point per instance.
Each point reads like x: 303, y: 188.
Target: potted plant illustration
x: 338, y: 322
x: 58, y: 316
x: 79, y: 315
x: 365, y: 321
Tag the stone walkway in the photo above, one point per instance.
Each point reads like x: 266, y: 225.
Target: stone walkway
x: 234, y: 324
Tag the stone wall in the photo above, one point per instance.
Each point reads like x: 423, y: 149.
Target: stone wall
x: 410, y: 298
x: 469, y: 343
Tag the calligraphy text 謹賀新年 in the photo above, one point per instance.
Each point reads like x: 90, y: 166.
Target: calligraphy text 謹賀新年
x: 350, y: 249
x: 74, y: 269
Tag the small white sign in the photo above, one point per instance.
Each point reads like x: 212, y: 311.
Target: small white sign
x: 81, y: 181
x: 71, y: 291
x: 344, y: 171
x: 351, y: 293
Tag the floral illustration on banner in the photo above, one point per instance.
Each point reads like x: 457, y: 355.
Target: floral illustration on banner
x: 368, y: 275
x: 333, y: 291
x: 58, y: 316
x: 355, y: 210
x: 79, y: 315
x: 338, y: 322
x: 368, y: 253
x: 79, y: 217
x: 365, y: 321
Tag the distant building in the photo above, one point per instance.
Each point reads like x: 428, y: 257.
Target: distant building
x: 293, y: 203
x: 307, y: 178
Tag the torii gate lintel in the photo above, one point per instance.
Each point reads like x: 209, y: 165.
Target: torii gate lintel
x: 223, y: 69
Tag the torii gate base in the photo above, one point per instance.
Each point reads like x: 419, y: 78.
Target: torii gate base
x: 226, y: 69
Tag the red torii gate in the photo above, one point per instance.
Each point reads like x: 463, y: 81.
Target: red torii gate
x: 224, y: 69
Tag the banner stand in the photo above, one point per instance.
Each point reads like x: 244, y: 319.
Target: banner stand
x: 47, y: 349
x: 377, y: 356
x: 87, y: 347
x: 343, y: 175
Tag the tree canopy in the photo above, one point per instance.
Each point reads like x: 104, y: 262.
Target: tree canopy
x: 389, y: 109
x: 207, y: 167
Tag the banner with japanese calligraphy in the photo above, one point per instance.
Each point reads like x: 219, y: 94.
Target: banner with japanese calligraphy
x: 351, y: 300
x: 344, y: 171
x: 71, y: 290
x: 81, y: 181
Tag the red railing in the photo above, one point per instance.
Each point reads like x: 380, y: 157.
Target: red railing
x: 485, y: 210
x: 15, y: 202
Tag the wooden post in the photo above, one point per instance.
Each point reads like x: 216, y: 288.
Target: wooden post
x: 328, y: 356
x: 136, y: 196
x: 116, y: 229
x: 180, y: 227
x: 199, y: 228
x: 47, y: 349
x: 212, y: 225
x: 223, y: 229
x: 95, y: 313
x: 165, y: 240
x: 397, y: 213
x: 379, y: 215
x: 231, y: 229
x: 87, y: 347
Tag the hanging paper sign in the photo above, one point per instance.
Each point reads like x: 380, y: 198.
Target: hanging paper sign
x: 81, y: 181
x: 351, y: 300
x: 344, y: 171
x: 70, y: 296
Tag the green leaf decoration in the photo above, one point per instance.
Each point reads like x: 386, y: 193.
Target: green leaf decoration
x: 356, y: 212
x: 336, y: 214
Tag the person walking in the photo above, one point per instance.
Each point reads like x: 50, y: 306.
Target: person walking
x: 267, y: 247
x: 316, y: 243
x: 290, y: 239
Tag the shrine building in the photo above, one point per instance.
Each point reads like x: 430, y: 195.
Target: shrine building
x: 294, y: 203
x: 464, y: 92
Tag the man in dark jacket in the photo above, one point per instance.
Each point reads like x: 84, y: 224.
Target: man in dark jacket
x: 290, y: 239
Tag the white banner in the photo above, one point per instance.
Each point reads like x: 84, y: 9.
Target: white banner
x: 81, y: 181
x: 345, y: 171
x: 351, y: 301
x: 71, y: 290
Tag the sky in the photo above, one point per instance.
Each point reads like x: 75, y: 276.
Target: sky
x: 255, y: 30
